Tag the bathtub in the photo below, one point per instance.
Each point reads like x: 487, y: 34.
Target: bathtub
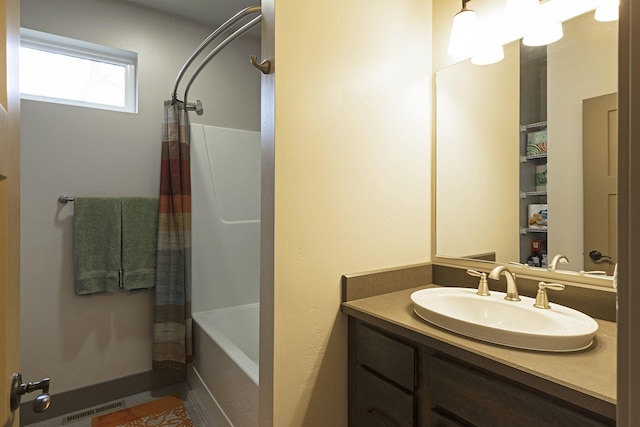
x: 225, y: 271
x: 225, y: 363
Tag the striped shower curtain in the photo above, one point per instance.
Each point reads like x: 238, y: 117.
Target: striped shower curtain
x: 172, y: 347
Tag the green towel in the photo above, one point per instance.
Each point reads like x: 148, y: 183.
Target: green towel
x: 97, y: 230
x: 139, y: 236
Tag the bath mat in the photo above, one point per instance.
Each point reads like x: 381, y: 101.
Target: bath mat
x: 165, y: 412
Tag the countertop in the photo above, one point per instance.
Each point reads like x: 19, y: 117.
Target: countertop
x: 586, y: 378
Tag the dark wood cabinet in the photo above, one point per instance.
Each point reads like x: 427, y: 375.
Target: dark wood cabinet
x: 384, y: 372
x: 379, y: 402
x: 396, y: 382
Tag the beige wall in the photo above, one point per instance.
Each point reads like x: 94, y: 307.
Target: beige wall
x: 80, y: 341
x: 352, y: 186
x: 477, y: 157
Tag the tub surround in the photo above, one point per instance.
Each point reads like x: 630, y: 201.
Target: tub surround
x: 586, y: 379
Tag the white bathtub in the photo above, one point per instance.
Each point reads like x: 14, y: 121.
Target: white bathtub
x: 235, y: 330
x: 226, y: 361
x: 225, y: 271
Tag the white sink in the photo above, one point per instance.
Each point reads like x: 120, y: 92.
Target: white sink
x: 513, y: 324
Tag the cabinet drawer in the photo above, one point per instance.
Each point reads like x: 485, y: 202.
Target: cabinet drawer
x: 483, y: 399
x: 440, y: 418
x: 386, y: 356
x: 381, y: 404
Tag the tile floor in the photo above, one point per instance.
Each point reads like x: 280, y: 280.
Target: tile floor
x: 183, y: 391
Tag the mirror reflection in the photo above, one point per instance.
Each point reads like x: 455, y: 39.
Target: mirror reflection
x: 528, y: 171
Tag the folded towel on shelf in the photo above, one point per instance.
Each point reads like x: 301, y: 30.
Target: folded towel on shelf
x: 139, y: 236
x: 97, y: 244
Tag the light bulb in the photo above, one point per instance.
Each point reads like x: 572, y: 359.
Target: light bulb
x: 544, y: 35
x: 488, y: 54
x: 607, y: 11
x: 517, y: 16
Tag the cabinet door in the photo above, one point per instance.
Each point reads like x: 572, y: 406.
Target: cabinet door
x: 379, y: 403
x: 386, y: 356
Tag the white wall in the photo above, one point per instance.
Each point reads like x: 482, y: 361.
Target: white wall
x: 352, y: 179
x: 79, y: 341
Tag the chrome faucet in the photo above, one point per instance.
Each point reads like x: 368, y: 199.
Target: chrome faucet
x: 512, y: 290
x: 558, y: 259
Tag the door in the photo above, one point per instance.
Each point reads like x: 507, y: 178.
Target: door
x: 9, y: 204
x: 600, y: 163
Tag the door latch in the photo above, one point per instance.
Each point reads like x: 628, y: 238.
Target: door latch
x: 18, y: 388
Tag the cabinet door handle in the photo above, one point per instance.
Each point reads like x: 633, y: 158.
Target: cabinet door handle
x: 382, y: 418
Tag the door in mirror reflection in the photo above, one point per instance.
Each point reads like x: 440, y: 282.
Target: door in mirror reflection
x: 600, y: 158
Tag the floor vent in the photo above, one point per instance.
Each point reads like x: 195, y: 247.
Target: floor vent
x: 93, y: 411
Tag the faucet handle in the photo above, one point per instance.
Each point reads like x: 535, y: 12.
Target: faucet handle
x: 542, y: 300
x: 519, y: 264
x: 483, y: 286
x: 594, y: 272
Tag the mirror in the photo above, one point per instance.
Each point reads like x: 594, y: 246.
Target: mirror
x: 486, y: 185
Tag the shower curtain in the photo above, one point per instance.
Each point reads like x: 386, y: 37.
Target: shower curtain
x: 172, y: 348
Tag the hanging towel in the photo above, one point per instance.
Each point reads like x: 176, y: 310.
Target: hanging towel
x: 97, y: 230
x: 139, y: 237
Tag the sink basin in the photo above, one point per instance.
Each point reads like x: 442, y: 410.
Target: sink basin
x: 513, y: 324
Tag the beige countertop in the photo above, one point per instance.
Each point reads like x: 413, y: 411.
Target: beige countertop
x: 586, y: 378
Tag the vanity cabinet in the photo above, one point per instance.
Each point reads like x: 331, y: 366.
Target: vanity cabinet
x: 397, y: 382
x: 385, y: 375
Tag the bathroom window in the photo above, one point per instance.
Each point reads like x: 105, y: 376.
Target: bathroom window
x: 68, y: 71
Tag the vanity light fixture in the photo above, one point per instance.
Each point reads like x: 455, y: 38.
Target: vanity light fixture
x: 489, y: 49
x: 537, y: 22
x: 607, y: 10
x: 517, y: 17
x: 546, y: 30
x: 547, y: 33
x: 488, y: 54
x: 464, y: 32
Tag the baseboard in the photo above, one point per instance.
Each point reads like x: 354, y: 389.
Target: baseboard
x: 93, y: 395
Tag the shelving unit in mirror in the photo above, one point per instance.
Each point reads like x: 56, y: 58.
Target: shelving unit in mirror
x: 533, y: 216
x: 533, y: 194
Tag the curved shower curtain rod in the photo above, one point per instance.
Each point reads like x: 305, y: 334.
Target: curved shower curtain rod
x: 197, y: 105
